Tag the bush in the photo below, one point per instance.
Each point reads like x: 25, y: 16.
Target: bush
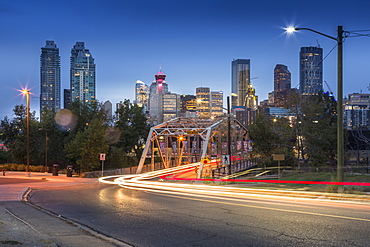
x: 22, y: 167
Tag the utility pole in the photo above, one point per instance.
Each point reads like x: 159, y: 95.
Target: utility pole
x: 228, y: 135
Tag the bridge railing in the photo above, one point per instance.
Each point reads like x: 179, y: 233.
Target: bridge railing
x: 236, y: 166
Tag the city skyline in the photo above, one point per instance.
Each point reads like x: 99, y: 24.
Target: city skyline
x: 194, y: 43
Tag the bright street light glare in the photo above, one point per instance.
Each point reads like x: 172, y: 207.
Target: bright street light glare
x: 290, y: 29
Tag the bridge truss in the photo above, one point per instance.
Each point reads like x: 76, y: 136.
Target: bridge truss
x: 187, y: 140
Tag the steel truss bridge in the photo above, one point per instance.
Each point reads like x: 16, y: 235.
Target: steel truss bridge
x: 183, y: 141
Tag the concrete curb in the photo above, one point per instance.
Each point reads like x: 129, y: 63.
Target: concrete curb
x: 85, y: 228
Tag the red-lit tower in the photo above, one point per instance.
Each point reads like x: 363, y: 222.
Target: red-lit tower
x: 157, y: 89
x: 160, y: 77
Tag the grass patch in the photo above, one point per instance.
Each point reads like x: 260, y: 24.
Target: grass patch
x: 10, y: 242
x: 317, y: 176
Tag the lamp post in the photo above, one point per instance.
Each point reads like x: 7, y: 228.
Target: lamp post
x: 27, y: 93
x: 340, y: 139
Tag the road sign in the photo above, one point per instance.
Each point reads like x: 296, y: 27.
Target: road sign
x: 226, y: 159
x: 192, y: 132
x: 205, y: 161
x: 278, y: 156
x: 102, y: 156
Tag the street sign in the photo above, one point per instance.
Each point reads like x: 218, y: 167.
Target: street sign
x: 102, y: 156
x: 226, y: 159
x: 192, y: 132
x: 278, y: 156
x: 205, y: 161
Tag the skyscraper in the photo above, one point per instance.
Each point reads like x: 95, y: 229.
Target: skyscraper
x: 67, y: 100
x: 141, y: 94
x: 108, y: 111
x: 203, y: 95
x: 50, y: 77
x: 217, y: 102
x: 240, y: 81
x: 282, y: 84
x: 156, y: 91
x: 171, y: 106
x: 188, y: 105
x: 82, y: 74
x: 311, y: 70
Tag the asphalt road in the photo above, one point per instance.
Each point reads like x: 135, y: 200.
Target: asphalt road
x: 152, y: 219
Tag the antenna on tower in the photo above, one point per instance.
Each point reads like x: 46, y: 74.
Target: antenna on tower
x: 318, y: 44
x: 160, y: 67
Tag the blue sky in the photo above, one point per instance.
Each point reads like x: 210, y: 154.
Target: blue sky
x: 194, y: 41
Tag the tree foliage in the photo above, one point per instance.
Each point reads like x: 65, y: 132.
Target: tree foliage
x: 85, y: 148
x: 272, y: 136
x: 131, y: 121
x: 318, y: 127
x: 310, y: 136
x: 14, y: 134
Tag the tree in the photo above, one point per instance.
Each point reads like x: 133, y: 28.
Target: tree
x: 272, y: 136
x: 84, y: 113
x: 319, y: 128
x: 14, y: 135
x: 56, y: 138
x: 85, y: 148
x: 134, y: 129
x: 315, y: 127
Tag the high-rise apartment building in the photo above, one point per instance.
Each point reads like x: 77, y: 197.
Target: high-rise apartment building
x: 311, y: 70
x: 240, y: 81
x: 141, y: 94
x: 203, y: 95
x: 82, y: 74
x: 282, y: 84
x: 156, y: 91
x: 50, y: 77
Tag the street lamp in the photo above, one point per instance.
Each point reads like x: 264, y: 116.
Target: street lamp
x: 340, y: 139
x: 27, y: 93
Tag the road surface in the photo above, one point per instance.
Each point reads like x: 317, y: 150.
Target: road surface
x: 150, y: 218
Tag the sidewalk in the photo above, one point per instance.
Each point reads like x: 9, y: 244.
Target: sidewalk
x: 23, y: 224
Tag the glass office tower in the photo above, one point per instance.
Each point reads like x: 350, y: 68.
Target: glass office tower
x: 240, y: 81
x: 282, y: 84
x: 311, y: 70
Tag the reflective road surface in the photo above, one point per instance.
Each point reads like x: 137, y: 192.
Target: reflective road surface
x: 159, y: 215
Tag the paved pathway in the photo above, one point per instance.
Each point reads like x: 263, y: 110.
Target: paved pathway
x: 23, y: 224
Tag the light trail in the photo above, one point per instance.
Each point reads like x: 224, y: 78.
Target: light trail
x: 237, y: 196
x: 164, y: 185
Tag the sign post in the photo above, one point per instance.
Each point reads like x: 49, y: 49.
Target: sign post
x: 102, y: 158
x: 278, y: 157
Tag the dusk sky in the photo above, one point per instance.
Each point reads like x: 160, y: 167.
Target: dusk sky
x: 194, y: 42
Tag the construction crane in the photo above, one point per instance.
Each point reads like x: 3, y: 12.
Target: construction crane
x: 330, y: 92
